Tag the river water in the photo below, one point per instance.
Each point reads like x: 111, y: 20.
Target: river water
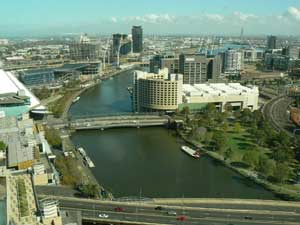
x: 148, y: 161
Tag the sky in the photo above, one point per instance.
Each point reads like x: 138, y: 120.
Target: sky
x: 164, y: 17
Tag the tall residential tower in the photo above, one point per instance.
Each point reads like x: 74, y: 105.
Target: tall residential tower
x: 137, y: 39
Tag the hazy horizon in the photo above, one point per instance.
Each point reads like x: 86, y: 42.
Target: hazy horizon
x: 169, y: 17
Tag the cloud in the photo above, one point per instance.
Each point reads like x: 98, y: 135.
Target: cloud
x: 292, y: 13
x: 114, y: 19
x: 243, y: 17
x: 286, y: 22
x: 215, y: 17
x: 152, y: 18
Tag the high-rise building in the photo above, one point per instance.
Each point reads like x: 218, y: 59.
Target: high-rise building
x: 194, y: 68
x: 271, y: 42
x: 164, y: 61
x: 293, y: 52
x: 137, y: 39
x: 233, y: 62
x: 121, y: 44
x: 156, y: 92
x: 84, y: 51
x: 214, y: 71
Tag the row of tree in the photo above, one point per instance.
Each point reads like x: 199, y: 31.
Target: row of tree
x: 283, y: 150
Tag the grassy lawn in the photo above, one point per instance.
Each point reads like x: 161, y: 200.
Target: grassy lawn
x: 22, y: 198
x: 58, y: 107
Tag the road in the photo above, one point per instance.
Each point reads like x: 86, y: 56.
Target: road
x: 196, y: 214
x: 112, y: 121
x: 276, y: 112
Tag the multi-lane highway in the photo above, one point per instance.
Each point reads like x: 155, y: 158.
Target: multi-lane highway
x: 196, y: 213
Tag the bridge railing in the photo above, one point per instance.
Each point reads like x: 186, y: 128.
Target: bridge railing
x: 133, y: 199
x: 96, y: 115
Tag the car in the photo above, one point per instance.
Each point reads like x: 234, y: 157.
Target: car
x: 159, y: 208
x: 172, y: 213
x: 248, y: 217
x: 181, y: 218
x: 103, y: 215
x: 119, y: 209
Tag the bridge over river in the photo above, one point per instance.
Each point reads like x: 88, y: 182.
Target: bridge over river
x: 113, y: 121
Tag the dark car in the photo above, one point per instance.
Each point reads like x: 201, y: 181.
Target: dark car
x: 159, y: 208
x: 119, y: 209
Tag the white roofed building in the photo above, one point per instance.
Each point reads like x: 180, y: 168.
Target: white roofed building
x: 221, y: 93
x: 15, y: 98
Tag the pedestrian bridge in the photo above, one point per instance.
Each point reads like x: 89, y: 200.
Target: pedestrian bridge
x: 105, y: 122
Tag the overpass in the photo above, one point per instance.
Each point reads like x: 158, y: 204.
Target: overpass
x: 196, y: 211
x: 114, y: 121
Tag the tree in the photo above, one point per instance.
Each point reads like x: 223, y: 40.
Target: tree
x: 266, y: 166
x: 185, y: 110
x: 228, y: 154
x: 2, y: 146
x: 282, y: 172
x: 53, y: 137
x: 283, y: 154
x: 225, y: 127
x: 89, y: 190
x: 237, y: 127
x: 251, y: 158
x: 220, y: 141
x: 208, y: 137
x: 246, y: 116
x: 228, y: 107
x: 211, y: 107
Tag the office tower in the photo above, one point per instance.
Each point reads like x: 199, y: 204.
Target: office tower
x: 137, y: 39
x: 214, y: 68
x: 271, y: 42
x: 233, y: 62
x: 156, y: 92
x: 194, y: 68
x: 293, y: 52
x: 164, y: 61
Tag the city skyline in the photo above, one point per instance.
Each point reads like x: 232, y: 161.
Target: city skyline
x: 192, y: 17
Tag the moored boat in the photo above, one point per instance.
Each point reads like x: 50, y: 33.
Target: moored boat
x: 191, y: 152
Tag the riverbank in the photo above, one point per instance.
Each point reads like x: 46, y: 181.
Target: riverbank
x: 71, y: 99
x: 281, y: 192
x: 66, y: 102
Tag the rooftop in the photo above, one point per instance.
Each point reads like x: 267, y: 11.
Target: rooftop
x: 218, y: 89
x: 17, y: 136
x: 10, y: 84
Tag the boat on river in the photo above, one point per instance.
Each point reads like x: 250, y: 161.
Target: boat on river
x: 76, y: 99
x: 191, y: 152
x: 89, y: 161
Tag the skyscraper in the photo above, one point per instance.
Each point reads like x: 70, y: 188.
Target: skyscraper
x: 194, y: 68
x: 164, y: 61
x: 271, y: 42
x: 137, y: 39
x: 233, y: 62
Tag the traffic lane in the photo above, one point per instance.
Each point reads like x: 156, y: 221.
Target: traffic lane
x: 173, y: 220
x: 194, y: 213
x: 240, y: 206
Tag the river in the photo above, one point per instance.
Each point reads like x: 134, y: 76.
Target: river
x: 148, y: 161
